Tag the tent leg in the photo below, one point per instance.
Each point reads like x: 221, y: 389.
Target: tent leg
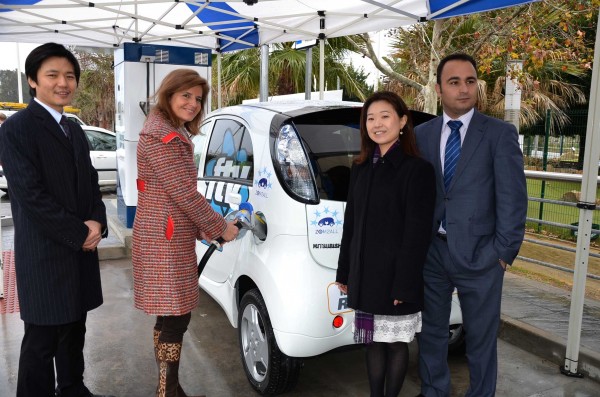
x: 264, y: 73
x: 586, y: 205
x: 308, y: 74
x: 219, y: 85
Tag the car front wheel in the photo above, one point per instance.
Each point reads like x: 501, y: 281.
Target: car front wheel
x: 269, y: 371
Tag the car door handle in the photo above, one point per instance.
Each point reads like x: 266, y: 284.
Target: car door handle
x: 233, y: 198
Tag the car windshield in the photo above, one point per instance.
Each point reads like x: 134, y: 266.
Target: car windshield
x: 332, y: 139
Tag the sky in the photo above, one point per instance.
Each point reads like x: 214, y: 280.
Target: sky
x: 8, y: 60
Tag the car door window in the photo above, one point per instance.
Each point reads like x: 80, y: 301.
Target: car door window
x: 230, y: 155
x: 101, y: 141
x: 198, y: 140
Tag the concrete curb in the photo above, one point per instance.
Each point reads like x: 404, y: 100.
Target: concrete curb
x: 120, y: 251
x: 547, y: 346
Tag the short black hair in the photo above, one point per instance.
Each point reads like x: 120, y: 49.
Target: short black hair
x: 457, y: 56
x: 40, y: 54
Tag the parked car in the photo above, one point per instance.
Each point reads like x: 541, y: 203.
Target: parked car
x: 103, y: 146
x: 291, y: 162
x: 70, y: 116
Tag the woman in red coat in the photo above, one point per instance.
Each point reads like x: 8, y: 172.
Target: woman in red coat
x: 171, y: 215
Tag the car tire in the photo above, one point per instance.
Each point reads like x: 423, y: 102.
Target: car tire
x: 268, y: 370
x: 456, y: 342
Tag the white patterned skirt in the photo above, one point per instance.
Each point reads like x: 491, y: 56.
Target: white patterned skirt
x: 391, y: 329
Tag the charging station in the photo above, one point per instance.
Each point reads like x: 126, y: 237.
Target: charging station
x: 139, y: 69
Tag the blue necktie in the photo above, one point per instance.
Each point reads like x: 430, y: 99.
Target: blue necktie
x: 451, y: 156
x: 452, y: 151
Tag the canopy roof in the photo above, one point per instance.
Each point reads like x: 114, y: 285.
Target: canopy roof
x: 217, y: 24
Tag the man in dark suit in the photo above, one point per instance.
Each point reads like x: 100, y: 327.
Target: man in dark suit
x: 59, y: 219
x: 478, y: 228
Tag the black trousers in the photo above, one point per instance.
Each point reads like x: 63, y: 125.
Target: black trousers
x: 172, y: 328
x: 46, y: 345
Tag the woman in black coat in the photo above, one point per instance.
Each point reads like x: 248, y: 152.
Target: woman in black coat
x: 387, y: 231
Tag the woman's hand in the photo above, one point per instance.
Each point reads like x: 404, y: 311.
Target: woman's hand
x: 397, y: 302
x: 342, y: 287
x: 231, y: 232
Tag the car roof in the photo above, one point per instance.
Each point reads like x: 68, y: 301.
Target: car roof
x: 291, y: 107
x: 99, y: 129
x: 8, y: 113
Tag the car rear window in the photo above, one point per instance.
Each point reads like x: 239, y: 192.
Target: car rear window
x: 332, y: 139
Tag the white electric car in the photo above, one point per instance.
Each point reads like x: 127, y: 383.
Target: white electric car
x: 291, y: 161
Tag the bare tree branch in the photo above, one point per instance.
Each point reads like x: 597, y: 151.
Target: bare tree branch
x: 368, y: 51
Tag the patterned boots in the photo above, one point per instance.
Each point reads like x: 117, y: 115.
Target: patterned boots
x: 167, y: 358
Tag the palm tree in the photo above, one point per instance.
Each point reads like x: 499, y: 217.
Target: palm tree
x: 287, y: 66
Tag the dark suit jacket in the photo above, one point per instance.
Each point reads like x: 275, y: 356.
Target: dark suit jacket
x: 53, y: 189
x: 387, y: 233
x: 486, y: 203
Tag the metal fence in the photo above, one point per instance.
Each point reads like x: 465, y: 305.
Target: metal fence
x: 552, y: 211
x: 549, y: 147
x: 553, y: 160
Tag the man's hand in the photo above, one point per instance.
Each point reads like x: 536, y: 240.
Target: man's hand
x: 503, y: 264
x: 94, y: 235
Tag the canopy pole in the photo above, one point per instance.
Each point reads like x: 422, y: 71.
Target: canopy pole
x: 308, y: 74
x: 322, y: 69
x: 264, y: 73
x: 322, y: 56
x: 220, y: 89
x: 586, y: 205
x: 19, y: 82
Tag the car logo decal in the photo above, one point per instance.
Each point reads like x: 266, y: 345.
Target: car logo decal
x: 325, y: 221
x: 263, y: 184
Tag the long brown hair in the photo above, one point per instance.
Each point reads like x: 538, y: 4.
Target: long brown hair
x: 408, y: 142
x: 179, y: 80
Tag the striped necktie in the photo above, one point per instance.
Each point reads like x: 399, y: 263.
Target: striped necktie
x: 452, y: 151
x: 65, y: 126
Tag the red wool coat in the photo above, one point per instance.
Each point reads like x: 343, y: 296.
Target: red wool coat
x: 170, y: 215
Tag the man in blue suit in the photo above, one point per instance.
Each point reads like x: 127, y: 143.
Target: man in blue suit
x: 478, y: 228
x: 59, y: 219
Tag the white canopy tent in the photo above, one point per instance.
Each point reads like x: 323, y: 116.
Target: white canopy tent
x: 236, y: 24
x: 216, y: 24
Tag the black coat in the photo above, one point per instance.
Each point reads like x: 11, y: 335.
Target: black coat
x: 387, y: 231
x: 53, y: 189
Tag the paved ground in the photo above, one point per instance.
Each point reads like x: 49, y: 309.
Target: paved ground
x: 120, y: 359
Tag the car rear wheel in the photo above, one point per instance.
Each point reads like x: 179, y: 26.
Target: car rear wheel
x: 269, y: 371
x: 456, y: 343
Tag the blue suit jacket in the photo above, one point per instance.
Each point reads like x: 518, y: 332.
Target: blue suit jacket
x: 53, y: 189
x: 486, y: 203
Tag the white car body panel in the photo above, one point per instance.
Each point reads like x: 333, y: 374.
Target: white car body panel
x: 297, y: 262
